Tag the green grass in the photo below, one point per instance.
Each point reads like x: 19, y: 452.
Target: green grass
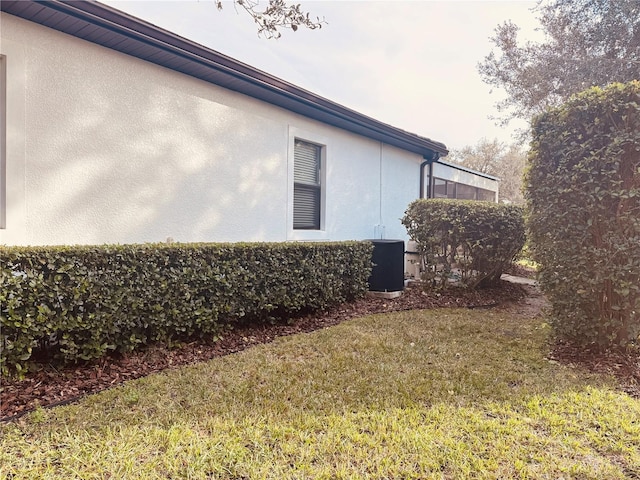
x: 442, y: 394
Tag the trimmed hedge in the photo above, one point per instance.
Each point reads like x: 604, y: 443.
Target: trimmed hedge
x: 583, y: 196
x: 476, y: 240
x: 78, y: 303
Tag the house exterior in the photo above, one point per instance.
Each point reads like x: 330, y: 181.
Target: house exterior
x: 116, y: 131
x: 454, y: 181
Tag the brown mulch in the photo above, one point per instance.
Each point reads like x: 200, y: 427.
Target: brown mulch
x: 53, y: 386
x: 625, y: 366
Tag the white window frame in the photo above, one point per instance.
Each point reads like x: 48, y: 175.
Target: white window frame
x: 307, y: 168
x: 320, y: 141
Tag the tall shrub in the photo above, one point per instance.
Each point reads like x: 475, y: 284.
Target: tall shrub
x: 476, y: 240
x: 583, y: 195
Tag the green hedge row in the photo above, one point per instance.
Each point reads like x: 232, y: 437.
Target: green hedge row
x: 475, y: 241
x: 78, y: 303
x: 583, y: 196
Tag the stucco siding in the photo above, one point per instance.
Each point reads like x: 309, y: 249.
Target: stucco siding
x: 106, y: 148
x: 400, y: 186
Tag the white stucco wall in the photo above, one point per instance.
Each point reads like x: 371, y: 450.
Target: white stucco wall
x: 105, y: 148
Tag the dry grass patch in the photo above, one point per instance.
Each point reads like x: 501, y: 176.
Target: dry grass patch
x: 442, y: 394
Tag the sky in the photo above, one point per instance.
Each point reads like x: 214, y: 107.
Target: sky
x: 410, y: 64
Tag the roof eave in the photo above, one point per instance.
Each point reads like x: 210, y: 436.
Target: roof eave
x: 145, y: 40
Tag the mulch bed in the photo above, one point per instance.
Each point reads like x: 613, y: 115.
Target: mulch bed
x: 623, y: 365
x: 53, y: 385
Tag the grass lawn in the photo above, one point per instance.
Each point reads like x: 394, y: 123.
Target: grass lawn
x: 442, y: 394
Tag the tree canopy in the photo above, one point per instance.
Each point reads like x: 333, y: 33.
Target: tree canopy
x: 277, y: 14
x: 586, y: 43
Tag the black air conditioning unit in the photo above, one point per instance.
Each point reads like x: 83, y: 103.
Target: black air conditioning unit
x: 388, y: 266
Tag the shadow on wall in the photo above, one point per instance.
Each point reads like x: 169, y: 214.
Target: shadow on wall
x: 116, y: 157
x: 353, y: 189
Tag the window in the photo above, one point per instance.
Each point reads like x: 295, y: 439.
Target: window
x: 465, y: 192
x: 448, y: 189
x: 439, y: 188
x: 443, y: 188
x: 307, y: 189
x: 486, y: 195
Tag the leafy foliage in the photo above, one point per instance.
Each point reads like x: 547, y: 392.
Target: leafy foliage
x: 583, y: 194
x: 78, y: 303
x: 477, y: 239
x: 276, y: 15
x: 587, y: 43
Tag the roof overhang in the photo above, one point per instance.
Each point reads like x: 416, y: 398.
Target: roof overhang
x: 112, y: 28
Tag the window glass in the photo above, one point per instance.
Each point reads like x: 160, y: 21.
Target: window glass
x: 486, y: 195
x: 439, y: 188
x: 465, y: 192
x: 307, y: 185
x: 451, y: 189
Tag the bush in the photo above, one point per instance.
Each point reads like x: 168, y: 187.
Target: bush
x: 583, y: 194
x: 478, y: 240
x: 78, y: 303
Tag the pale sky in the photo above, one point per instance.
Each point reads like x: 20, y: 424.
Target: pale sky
x: 411, y: 64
